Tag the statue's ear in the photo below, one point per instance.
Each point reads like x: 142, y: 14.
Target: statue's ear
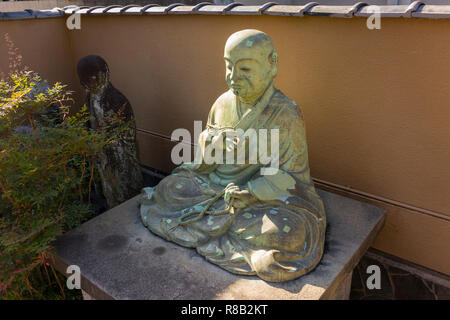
x: 273, y: 59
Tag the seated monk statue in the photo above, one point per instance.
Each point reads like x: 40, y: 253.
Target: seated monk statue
x: 243, y: 219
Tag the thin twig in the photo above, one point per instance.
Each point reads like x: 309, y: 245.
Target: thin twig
x: 57, y: 280
x: 91, y: 178
x: 33, y: 289
x: 40, y: 275
x: 82, y: 176
x: 48, y: 277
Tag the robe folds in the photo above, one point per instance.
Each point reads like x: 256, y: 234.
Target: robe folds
x: 278, y: 237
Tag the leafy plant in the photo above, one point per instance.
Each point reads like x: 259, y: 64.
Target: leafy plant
x: 47, y: 163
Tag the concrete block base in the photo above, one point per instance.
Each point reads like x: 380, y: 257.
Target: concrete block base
x: 120, y: 259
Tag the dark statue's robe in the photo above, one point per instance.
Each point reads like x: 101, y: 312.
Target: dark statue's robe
x: 118, y: 165
x: 280, y: 236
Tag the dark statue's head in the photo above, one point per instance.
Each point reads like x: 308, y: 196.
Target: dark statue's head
x: 93, y: 73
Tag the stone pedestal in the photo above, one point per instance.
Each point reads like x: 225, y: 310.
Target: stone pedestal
x: 86, y: 296
x: 343, y: 292
x: 120, y: 259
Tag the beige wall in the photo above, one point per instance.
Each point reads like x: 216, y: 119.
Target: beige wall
x: 376, y: 103
x: 44, y: 46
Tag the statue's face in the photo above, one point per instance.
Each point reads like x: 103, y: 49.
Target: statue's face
x: 93, y: 73
x: 94, y: 81
x: 249, y: 71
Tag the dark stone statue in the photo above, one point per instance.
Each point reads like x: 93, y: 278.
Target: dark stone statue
x: 120, y: 173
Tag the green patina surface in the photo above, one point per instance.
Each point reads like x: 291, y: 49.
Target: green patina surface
x: 214, y: 205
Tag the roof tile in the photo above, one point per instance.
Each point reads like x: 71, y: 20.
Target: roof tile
x: 266, y: 6
x: 212, y: 9
x: 128, y: 7
x: 432, y: 11
x: 385, y: 11
x: 412, y: 8
x: 173, y: 5
x: 83, y: 10
x: 73, y: 9
x: 245, y: 10
x: 19, y: 15
x: 108, y: 8
x: 154, y: 10
x: 43, y: 14
x: 182, y: 10
x: 97, y: 10
x: 416, y: 9
x: 332, y: 11
x: 284, y: 10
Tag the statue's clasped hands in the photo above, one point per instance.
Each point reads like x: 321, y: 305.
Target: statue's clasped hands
x: 238, y: 198
x: 228, y: 139
x: 233, y: 196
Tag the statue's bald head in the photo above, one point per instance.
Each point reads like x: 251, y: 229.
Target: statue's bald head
x: 259, y: 43
x: 250, y: 38
x: 251, y: 63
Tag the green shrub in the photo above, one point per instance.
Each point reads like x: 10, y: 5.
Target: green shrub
x: 46, y: 174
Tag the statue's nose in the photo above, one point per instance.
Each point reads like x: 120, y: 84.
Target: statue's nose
x: 234, y: 74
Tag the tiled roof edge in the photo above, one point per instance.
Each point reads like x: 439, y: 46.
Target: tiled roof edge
x: 416, y: 9
x: 32, y: 14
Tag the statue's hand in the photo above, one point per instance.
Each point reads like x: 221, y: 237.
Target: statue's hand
x: 189, y: 165
x: 241, y: 198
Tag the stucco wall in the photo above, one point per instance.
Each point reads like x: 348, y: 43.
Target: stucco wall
x: 376, y: 102
x: 44, y: 46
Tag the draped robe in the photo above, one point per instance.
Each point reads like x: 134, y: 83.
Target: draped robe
x: 278, y: 237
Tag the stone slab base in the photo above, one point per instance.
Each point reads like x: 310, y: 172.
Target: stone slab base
x: 120, y: 259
